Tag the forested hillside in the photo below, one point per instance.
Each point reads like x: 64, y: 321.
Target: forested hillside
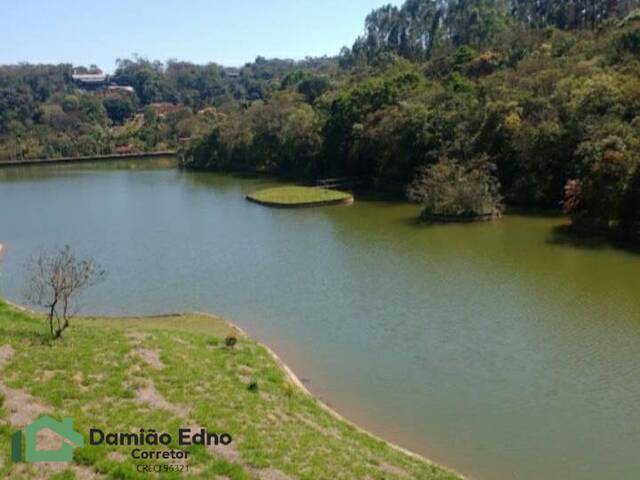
x: 539, y: 101
x: 543, y: 95
x: 43, y: 113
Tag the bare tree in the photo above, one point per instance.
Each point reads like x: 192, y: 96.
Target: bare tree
x: 55, y: 279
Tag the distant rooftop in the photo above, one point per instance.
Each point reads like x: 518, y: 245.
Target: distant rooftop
x: 125, y: 88
x: 232, y: 71
x: 89, y: 77
x: 97, y: 80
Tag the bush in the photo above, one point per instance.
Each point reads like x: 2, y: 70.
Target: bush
x: 604, y: 193
x: 312, y: 88
x: 231, y: 341
x: 485, y: 64
x: 70, y: 103
x: 628, y: 42
x: 451, y: 189
x: 118, y: 109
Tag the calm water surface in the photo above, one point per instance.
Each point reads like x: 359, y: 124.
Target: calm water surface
x: 498, y: 349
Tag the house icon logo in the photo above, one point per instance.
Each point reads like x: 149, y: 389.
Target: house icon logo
x: 71, y: 439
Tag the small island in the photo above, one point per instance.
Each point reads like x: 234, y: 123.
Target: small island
x: 300, y: 197
x: 450, y: 192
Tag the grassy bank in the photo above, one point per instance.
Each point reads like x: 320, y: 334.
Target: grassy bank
x: 166, y: 373
x: 300, y: 196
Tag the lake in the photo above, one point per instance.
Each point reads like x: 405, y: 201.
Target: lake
x: 502, y: 350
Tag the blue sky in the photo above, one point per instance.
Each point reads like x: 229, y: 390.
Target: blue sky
x: 223, y: 31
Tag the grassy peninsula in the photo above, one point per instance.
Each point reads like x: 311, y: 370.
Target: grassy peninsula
x: 123, y: 374
x: 293, y: 196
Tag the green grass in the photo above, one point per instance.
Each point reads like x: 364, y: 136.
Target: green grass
x: 297, y: 196
x: 93, y: 373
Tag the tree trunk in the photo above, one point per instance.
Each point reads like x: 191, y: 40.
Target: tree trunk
x: 52, y: 310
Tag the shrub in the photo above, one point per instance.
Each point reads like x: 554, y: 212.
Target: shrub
x: 287, y: 388
x: 231, y: 341
x: 604, y: 193
x: 70, y: 103
x: 314, y: 87
x: 485, y: 64
x: 451, y: 189
x: 119, y: 109
x: 628, y: 42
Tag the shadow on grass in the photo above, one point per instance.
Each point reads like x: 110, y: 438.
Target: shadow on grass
x: 566, y: 235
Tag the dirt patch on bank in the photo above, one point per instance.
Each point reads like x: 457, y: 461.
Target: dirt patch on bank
x: 6, y: 352
x: 151, y: 358
x: 117, y: 457
x: 393, y: 470
x: 21, y: 407
x: 149, y: 395
x: 228, y: 452
x: 137, y: 336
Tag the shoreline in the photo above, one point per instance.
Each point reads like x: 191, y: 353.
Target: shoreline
x: 289, y: 373
x: 299, y: 196
x: 324, y: 203
x: 88, y: 158
x: 300, y: 385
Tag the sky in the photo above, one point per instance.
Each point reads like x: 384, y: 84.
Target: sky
x: 226, y: 32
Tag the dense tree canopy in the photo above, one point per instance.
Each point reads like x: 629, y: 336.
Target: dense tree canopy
x: 44, y: 114
x: 546, y: 93
x: 450, y: 189
x: 119, y: 108
x: 420, y: 27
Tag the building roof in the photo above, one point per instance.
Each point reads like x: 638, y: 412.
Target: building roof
x: 125, y: 88
x: 232, y: 71
x: 89, y: 77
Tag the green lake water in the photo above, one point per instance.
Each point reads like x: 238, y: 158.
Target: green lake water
x: 503, y: 350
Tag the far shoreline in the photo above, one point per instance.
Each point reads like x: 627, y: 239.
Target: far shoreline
x: 87, y: 158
